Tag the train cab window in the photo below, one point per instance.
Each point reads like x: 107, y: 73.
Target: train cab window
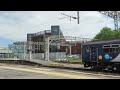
x: 93, y: 49
x: 87, y: 49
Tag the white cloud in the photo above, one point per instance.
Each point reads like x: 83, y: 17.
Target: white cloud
x: 14, y: 25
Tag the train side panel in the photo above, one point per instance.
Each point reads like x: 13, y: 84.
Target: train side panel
x: 102, y: 53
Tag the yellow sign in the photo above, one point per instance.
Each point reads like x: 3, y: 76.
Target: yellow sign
x: 100, y: 57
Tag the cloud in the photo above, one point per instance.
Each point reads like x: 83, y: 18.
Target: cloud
x: 14, y: 25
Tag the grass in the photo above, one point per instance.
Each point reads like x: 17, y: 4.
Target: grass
x: 71, y: 60
x: 74, y: 60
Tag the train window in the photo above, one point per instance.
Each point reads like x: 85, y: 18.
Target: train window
x: 106, y: 50
x: 93, y: 49
x: 106, y: 46
x: 113, y: 50
x: 117, y: 50
x: 110, y: 50
x: 115, y: 45
x: 87, y: 49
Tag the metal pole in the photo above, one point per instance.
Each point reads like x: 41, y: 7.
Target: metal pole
x: 30, y: 50
x: 8, y: 53
x: 66, y: 51
x: 44, y: 47
x: 24, y: 50
x: 78, y: 16
x: 30, y: 54
x: 70, y: 50
x: 48, y: 49
x: 116, y: 20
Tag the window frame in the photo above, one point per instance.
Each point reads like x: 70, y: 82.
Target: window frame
x: 110, y: 46
x: 87, y: 49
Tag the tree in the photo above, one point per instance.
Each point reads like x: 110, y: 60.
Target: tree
x: 106, y: 33
x: 116, y: 33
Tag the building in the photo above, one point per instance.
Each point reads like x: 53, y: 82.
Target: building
x: 29, y: 36
x: 39, y: 51
x: 40, y: 37
x: 18, y: 48
x: 75, y: 48
x: 5, y: 53
x: 55, y: 30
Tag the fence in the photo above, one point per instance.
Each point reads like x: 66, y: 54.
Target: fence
x: 41, y: 56
x: 57, y: 55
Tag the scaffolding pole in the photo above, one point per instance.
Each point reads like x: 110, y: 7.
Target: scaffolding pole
x: 24, y: 50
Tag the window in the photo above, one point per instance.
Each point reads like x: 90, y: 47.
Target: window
x: 87, y: 49
x: 117, y: 50
x: 35, y: 46
x: 93, y: 49
x: 111, y: 48
x: 115, y: 45
x: 106, y: 46
x: 106, y: 50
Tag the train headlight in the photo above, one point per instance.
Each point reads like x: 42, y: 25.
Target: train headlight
x: 100, y: 57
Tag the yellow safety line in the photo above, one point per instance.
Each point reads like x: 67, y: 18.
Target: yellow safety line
x: 49, y: 73
x: 93, y: 74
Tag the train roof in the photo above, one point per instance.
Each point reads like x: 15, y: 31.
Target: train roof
x: 102, y: 41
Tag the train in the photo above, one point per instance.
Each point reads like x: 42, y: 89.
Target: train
x: 101, y: 54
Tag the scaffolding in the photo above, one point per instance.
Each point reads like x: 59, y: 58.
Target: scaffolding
x: 26, y: 47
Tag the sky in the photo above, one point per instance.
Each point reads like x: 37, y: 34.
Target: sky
x: 14, y: 25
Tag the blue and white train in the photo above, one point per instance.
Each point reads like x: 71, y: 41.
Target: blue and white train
x: 102, y: 54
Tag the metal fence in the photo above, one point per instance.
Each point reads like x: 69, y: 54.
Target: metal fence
x: 41, y: 56
x: 29, y: 49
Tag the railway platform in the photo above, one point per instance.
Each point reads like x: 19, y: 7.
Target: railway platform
x: 55, y: 64
x: 43, y: 63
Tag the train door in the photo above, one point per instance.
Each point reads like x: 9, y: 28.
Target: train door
x: 93, y: 54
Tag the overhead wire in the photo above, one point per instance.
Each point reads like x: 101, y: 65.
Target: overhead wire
x: 46, y: 23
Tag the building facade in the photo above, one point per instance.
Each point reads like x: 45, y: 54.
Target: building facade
x: 6, y: 53
x: 18, y: 48
x: 55, y: 30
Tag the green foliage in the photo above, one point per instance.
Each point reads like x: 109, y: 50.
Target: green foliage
x: 107, y: 33
x: 117, y: 33
x: 74, y: 59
